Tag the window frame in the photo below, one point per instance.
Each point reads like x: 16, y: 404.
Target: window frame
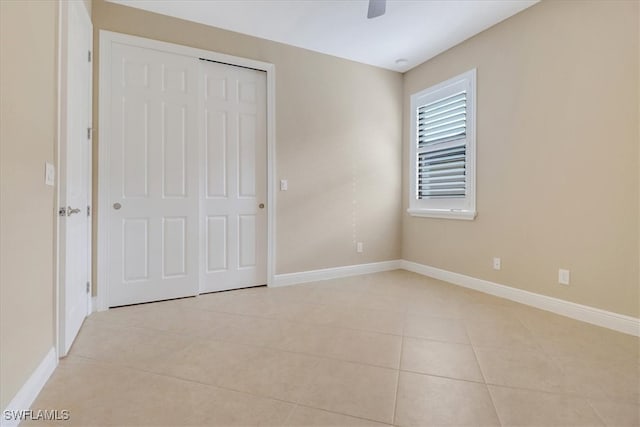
x: 452, y: 208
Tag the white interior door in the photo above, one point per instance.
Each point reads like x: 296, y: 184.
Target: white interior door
x: 153, y: 176
x: 75, y: 171
x: 234, y: 215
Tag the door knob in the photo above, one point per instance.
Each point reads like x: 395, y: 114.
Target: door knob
x: 117, y: 206
x: 261, y: 205
x: 71, y: 211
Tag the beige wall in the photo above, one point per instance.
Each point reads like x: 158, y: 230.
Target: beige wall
x: 27, y: 139
x: 557, y: 138
x: 338, y: 141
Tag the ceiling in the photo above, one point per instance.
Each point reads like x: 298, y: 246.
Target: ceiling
x: 414, y: 30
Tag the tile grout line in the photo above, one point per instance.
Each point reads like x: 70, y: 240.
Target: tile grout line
x: 372, y: 331
x: 553, y: 393
x: 340, y: 413
x: 197, y: 338
x: 259, y: 347
x: 554, y: 359
x: 595, y: 411
x: 495, y: 409
x: 395, y: 400
x: 130, y: 368
x: 186, y: 380
x: 268, y: 347
x: 484, y: 379
x: 261, y: 396
x: 278, y: 319
x: 288, y: 417
x: 311, y: 379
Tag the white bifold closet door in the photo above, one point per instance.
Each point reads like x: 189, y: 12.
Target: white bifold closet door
x: 187, y: 171
x: 153, y: 176
x: 235, y: 177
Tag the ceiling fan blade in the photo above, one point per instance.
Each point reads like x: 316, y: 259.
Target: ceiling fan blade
x: 376, y: 8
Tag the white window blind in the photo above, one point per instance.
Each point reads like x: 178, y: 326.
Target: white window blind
x: 443, y: 149
x: 442, y: 153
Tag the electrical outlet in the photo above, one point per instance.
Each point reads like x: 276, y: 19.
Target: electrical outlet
x: 497, y: 264
x: 564, y: 276
x: 359, y: 247
x: 284, y: 185
x: 49, y: 174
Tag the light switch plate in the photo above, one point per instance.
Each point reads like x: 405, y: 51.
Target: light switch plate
x: 49, y: 174
x: 564, y: 276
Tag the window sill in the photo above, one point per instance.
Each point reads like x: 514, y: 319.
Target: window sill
x: 443, y: 214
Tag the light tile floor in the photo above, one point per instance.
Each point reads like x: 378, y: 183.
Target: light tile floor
x: 390, y: 348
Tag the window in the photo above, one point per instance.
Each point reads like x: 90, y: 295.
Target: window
x: 443, y: 147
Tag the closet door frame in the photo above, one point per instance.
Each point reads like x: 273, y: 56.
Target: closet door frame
x: 106, y: 40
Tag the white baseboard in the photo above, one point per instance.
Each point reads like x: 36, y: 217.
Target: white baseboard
x: 596, y: 316
x: 334, y: 273
x: 607, y: 319
x: 31, y: 388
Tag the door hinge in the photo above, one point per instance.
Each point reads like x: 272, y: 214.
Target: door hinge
x: 89, y: 56
x: 62, y: 211
x: 88, y: 286
x: 88, y: 210
x: 89, y: 133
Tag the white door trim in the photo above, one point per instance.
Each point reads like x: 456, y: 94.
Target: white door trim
x: 106, y: 39
x: 61, y: 141
x: 61, y: 95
